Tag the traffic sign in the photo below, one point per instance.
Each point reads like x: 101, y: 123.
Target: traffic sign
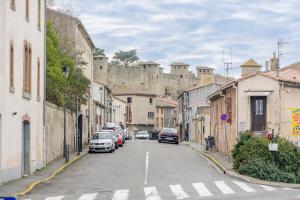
x: 224, y: 117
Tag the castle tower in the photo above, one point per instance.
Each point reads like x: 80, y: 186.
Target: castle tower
x: 100, y: 69
x: 152, y: 70
x: 250, y: 67
x: 181, y: 72
x: 205, y: 75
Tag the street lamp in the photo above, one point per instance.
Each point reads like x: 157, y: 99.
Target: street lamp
x: 66, y: 71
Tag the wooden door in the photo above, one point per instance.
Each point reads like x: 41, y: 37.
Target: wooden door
x: 258, y: 113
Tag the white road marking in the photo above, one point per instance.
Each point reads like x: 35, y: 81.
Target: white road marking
x: 121, y: 195
x: 146, y: 168
x: 202, y: 189
x: 151, y: 193
x: 225, y: 189
x: 55, y: 198
x: 91, y: 196
x: 244, y: 186
x: 268, y: 188
x: 178, y: 192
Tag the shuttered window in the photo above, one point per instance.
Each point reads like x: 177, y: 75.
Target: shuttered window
x: 27, y: 69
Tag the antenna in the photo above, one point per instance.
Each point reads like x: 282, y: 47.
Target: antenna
x: 280, y: 47
x: 228, y: 64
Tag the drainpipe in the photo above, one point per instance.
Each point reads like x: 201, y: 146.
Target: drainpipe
x: 236, y: 109
x: 281, y: 87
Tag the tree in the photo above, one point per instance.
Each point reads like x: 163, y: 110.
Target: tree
x: 126, y: 57
x: 98, y: 52
x: 77, y: 83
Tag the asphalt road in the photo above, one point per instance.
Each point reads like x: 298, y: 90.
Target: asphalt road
x: 148, y: 170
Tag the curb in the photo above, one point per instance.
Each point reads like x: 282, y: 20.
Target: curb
x: 30, y: 187
x: 249, y: 179
x: 212, y: 159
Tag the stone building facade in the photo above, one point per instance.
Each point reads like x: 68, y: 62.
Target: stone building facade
x: 76, y: 42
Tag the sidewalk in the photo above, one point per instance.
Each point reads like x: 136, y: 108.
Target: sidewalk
x: 225, y: 164
x: 221, y: 158
x: 55, y: 167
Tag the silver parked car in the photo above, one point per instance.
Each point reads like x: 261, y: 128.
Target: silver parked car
x: 102, y: 142
x: 142, y: 135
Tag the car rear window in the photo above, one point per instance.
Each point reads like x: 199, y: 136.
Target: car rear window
x: 169, y: 130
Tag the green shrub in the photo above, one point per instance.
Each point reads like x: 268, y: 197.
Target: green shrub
x: 249, y: 147
x: 252, y: 157
x: 259, y: 168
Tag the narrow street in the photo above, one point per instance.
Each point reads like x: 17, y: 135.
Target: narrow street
x: 152, y: 171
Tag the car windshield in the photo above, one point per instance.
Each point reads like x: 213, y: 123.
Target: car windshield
x: 102, y: 135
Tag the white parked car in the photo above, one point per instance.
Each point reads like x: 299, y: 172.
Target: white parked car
x: 142, y: 135
x: 102, y: 142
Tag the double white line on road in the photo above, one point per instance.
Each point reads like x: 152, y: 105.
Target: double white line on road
x: 146, y: 168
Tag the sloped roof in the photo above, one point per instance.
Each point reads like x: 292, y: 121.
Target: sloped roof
x: 123, y: 89
x: 166, y: 102
x: 200, y: 86
x: 250, y: 63
x: 290, y: 74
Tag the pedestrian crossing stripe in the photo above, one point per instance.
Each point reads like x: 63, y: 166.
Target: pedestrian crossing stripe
x: 151, y: 192
x: 178, y: 192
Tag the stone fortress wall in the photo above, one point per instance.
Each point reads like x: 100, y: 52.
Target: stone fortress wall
x: 150, y: 76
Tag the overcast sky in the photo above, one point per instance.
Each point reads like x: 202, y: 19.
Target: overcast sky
x: 194, y: 31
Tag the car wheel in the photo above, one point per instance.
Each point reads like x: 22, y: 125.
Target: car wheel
x: 177, y: 142
x: 159, y: 141
x: 117, y: 146
x: 111, y: 151
x: 121, y: 145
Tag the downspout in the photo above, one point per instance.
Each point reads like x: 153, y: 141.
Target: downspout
x: 236, y: 110
x: 45, y: 81
x: 281, y: 86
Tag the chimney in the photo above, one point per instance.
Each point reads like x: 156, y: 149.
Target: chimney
x: 274, y: 64
x: 267, y: 66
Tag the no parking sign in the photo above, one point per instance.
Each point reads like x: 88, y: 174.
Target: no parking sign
x: 224, y: 117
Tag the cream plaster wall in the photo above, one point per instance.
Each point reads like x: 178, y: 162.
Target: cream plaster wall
x: 14, y: 27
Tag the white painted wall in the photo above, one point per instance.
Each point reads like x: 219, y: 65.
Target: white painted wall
x: 15, y: 27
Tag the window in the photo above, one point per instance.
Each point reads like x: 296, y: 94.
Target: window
x: 162, y: 111
x: 27, y: 70
x: 101, y: 67
x: 181, y: 76
x: 150, y: 115
x: 129, y: 100
x: 38, y: 78
x: 151, y: 101
x: 39, y: 15
x: 11, y: 67
x: 259, y: 108
x: 27, y: 10
x: 13, y: 4
x: 162, y: 122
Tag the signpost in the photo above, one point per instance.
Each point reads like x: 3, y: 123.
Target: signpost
x: 224, y: 118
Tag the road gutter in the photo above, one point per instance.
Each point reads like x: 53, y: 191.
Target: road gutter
x: 32, y: 185
x: 233, y: 174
